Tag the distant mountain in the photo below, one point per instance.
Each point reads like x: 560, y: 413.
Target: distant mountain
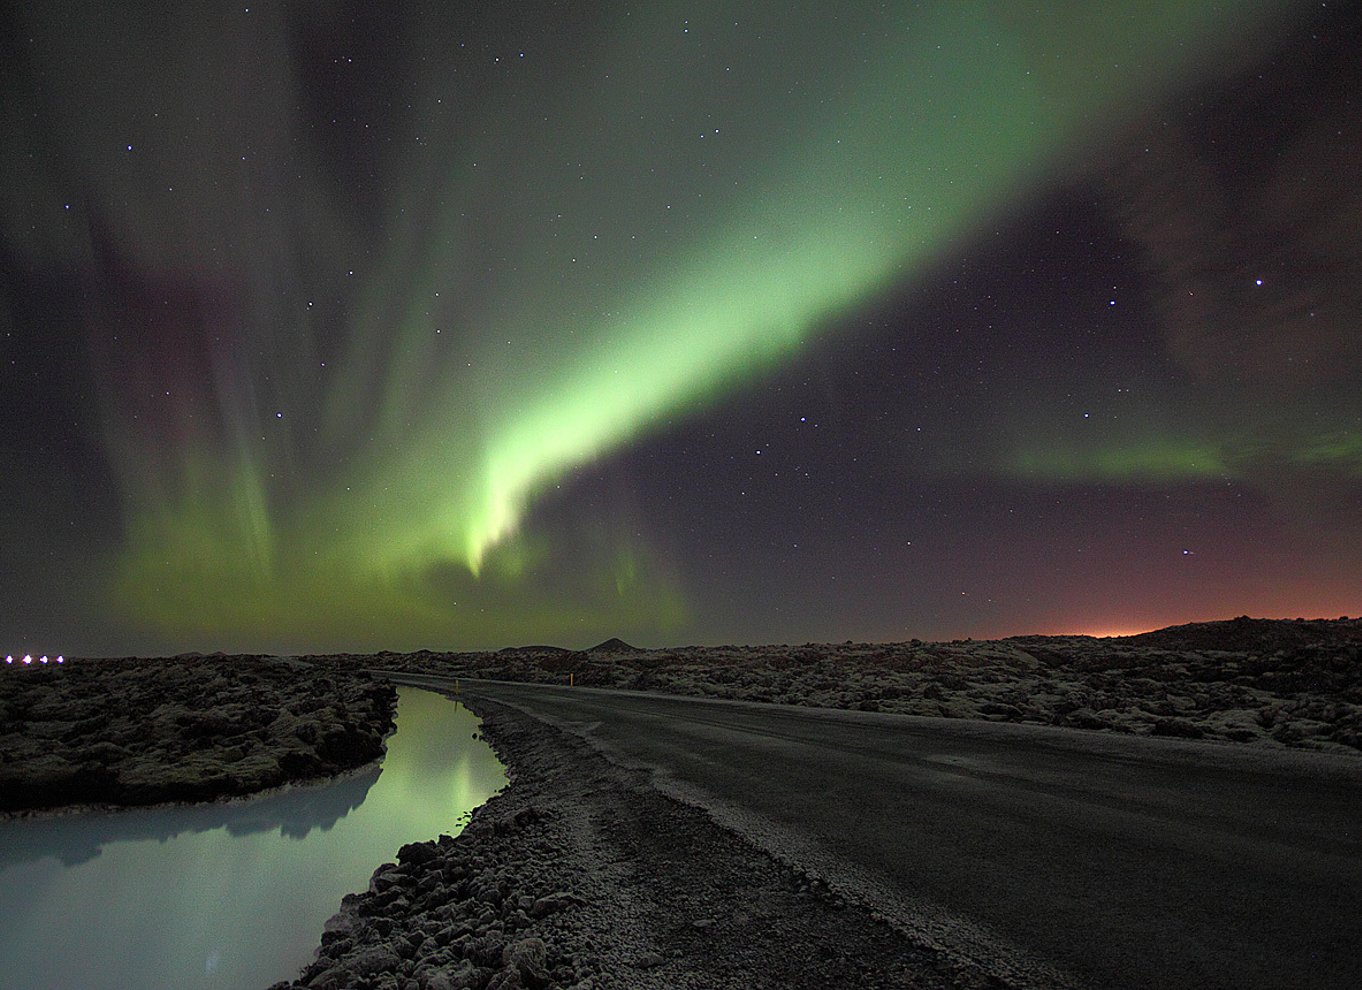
x: 1251, y: 635
x: 614, y: 646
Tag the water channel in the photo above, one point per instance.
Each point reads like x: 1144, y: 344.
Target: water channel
x: 228, y: 895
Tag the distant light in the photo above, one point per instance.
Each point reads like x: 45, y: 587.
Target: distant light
x: 1105, y: 632
x: 1257, y: 281
x: 28, y: 660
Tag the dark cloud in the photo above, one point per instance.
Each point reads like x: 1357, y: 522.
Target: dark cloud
x: 1248, y: 211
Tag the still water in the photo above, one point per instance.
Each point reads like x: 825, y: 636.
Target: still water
x: 229, y: 895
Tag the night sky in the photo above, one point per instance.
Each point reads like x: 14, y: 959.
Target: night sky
x: 355, y: 326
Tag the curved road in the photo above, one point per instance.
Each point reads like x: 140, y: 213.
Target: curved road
x: 1118, y: 861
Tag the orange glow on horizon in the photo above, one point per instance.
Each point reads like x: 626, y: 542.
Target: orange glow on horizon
x: 1105, y: 632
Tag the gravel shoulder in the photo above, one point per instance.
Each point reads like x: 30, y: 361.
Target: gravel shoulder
x: 137, y: 732
x: 582, y: 874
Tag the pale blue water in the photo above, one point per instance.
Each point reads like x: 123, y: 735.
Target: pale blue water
x: 228, y: 896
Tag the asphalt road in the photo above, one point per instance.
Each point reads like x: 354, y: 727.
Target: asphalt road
x: 1119, y: 861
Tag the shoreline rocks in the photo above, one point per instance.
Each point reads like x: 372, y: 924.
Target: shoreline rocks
x: 134, y: 732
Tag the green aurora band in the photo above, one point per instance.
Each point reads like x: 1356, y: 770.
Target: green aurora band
x: 598, y: 254
x: 1164, y: 460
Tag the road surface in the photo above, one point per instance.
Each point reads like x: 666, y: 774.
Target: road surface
x: 1119, y: 861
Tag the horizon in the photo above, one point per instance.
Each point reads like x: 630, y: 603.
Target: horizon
x: 943, y: 640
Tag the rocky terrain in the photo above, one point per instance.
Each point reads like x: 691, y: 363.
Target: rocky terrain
x: 1292, y: 683
x: 138, y: 732
x: 582, y: 875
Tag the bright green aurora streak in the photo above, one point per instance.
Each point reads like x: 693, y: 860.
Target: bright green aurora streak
x: 602, y: 252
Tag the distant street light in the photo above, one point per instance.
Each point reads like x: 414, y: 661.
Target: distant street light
x: 28, y: 661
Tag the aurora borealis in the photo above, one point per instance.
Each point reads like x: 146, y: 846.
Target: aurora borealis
x: 351, y: 326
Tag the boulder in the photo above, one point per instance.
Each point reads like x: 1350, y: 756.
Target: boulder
x: 528, y: 957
